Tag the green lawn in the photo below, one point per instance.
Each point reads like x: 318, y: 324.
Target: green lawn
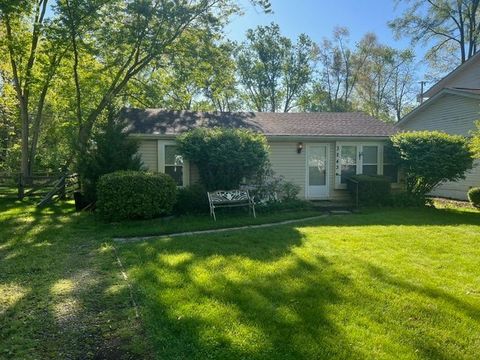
x: 381, y: 284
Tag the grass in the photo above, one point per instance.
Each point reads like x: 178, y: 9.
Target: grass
x: 381, y: 284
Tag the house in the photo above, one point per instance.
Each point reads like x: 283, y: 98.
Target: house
x: 452, y: 106
x: 316, y: 151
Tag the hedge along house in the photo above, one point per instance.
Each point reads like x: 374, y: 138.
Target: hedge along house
x: 316, y: 151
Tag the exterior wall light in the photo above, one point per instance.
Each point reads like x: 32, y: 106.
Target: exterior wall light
x: 299, y: 147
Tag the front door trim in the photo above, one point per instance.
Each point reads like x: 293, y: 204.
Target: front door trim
x: 327, y: 172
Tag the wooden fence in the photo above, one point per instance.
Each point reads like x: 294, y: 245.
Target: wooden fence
x: 47, y: 186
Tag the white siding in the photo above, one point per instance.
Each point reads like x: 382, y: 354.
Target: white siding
x: 453, y: 114
x: 469, y: 77
x: 459, y: 189
x: 288, y: 163
x: 149, y: 154
x: 293, y: 166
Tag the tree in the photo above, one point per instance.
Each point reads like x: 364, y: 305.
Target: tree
x: 384, y: 82
x: 201, y: 78
x: 430, y: 158
x: 111, y: 150
x: 341, y: 67
x: 104, y: 43
x: 274, y: 71
x: 127, y: 38
x: 34, y: 53
x: 443, y: 24
x: 224, y: 156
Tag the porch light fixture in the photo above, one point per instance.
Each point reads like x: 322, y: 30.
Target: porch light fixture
x: 299, y: 147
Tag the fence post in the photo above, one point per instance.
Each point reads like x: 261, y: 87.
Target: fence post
x: 62, y: 192
x: 21, y: 187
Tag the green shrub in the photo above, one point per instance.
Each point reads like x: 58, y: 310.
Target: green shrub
x: 224, y: 156
x: 429, y: 158
x: 474, y: 196
x: 192, y: 200
x: 405, y: 199
x: 372, y: 189
x: 135, y: 195
x: 295, y: 204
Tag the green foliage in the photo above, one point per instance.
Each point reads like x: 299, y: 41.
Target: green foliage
x: 474, y: 196
x: 431, y: 157
x: 447, y: 28
x: 475, y: 141
x: 135, y: 195
x: 274, y: 71
x: 111, y: 150
x: 224, y: 156
x: 372, y: 190
x: 284, y: 205
x: 405, y: 199
x: 192, y: 200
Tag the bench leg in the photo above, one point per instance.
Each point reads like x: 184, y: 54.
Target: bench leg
x: 253, y: 208
x: 212, y: 213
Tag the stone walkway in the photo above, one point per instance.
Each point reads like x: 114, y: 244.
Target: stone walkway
x: 215, y: 231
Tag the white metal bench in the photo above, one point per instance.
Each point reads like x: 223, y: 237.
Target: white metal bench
x: 230, y: 198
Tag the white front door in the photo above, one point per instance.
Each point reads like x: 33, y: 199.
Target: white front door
x: 317, y: 171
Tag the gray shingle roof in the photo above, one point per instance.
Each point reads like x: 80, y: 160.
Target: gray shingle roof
x: 166, y: 122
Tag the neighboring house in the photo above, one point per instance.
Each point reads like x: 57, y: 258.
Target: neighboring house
x: 316, y: 151
x: 453, y: 106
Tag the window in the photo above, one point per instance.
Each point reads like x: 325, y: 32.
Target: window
x: 390, y: 169
x: 174, y: 164
x: 348, y: 162
x: 370, y: 160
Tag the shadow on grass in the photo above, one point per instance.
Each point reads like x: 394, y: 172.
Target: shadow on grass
x: 61, y: 294
x: 219, y: 296
x: 240, y: 297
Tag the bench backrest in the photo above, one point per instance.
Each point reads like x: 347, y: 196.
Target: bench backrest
x: 226, y: 196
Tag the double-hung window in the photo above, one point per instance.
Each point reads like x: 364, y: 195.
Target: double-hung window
x: 369, y: 159
x: 171, y: 162
x: 348, y: 162
x: 357, y: 158
x: 174, y: 164
x: 390, y: 169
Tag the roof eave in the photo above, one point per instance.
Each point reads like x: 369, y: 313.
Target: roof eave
x: 438, y: 86
x: 432, y: 100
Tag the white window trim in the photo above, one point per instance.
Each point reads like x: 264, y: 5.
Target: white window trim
x: 161, y: 161
x: 359, y: 164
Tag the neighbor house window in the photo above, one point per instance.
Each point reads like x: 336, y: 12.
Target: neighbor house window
x: 390, y: 169
x: 370, y: 160
x: 174, y: 164
x: 348, y: 162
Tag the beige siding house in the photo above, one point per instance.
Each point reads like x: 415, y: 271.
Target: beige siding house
x: 316, y: 151
x: 453, y: 106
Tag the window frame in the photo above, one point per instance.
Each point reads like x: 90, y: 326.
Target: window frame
x: 377, y: 164
x: 161, y: 161
x: 359, y: 158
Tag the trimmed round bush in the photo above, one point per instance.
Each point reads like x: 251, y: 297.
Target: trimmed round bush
x: 135, y: 195
x: 474, y: 196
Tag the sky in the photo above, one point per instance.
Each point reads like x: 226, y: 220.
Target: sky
x: 318, y: 18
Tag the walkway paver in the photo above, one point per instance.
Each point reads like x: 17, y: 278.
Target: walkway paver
x: 214, y: 231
